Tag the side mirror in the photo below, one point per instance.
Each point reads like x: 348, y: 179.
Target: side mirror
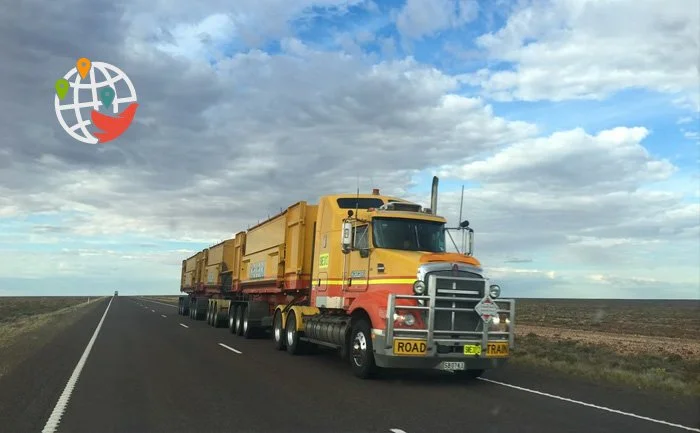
x: 346, y: 241
x: 464, y: 224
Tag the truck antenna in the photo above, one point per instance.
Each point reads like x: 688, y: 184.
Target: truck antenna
x: 461, y: 206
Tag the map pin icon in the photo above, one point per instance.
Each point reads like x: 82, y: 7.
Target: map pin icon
x: 106, y: 96
x: 61, y: 87
x: 83, y: 65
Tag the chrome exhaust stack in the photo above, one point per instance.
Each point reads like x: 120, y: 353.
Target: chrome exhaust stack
x: 433, y: 196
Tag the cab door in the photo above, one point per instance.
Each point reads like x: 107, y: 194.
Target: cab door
x: 358, y: 260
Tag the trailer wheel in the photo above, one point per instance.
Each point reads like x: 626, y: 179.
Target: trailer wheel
x: 217, y: 319
x: 278, y: 333
x: 214, y: 318
x: 239, y: 319
x: 361, y: 350
x: 247, y: 331
x: 232, y: 319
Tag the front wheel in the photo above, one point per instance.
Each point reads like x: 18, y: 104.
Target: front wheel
x: 361, y: 350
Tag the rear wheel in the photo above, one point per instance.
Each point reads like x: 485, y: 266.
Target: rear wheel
x: 232, y: 319
x: 278, y: 333
x: 294, y: 345
x: 239, y: 319
x: 218, y: 319
x: 361, y: 350
x: 247, y: 331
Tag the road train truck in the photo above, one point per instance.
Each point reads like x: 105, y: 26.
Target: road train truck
x: 366, y: 274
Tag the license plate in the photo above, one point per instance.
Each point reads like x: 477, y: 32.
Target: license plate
x: 407, y: 347
x: 497, y: 350
x: 453, y: 365
x: 472, y: 349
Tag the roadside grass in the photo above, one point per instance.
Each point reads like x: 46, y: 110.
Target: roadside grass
x: 670, y: 373
x: 14, y: 308
x: 667, y: 318
x: 167, y: 299
x: 27, y: 323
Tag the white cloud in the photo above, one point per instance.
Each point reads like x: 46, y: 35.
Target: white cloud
x: 590, y: 49
x: 217, y: 148
x: 202, y: 39
x: 611, y: 161
x: 425, y: 17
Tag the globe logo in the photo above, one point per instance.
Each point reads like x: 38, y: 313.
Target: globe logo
x: 88, y: 99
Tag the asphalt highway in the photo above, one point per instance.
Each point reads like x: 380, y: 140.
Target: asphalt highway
x: 147, y: 369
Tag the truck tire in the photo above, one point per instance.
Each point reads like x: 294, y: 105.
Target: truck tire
x: 278, y: 334
x: 247, y: 331
x: 239, y: 319
x: 232, y: 319
x: 294, y: 345
x: 217, y: 319
x: 361, y: 351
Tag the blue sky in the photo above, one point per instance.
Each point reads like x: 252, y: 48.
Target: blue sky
x: 577, y: 146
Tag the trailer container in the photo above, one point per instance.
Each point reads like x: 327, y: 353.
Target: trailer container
x: 365, y: 274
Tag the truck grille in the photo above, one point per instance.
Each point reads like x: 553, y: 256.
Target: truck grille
x: 458, y: 290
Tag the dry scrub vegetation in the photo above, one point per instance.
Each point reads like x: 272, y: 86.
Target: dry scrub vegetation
x: 644, y: 343
x: 26, y: 323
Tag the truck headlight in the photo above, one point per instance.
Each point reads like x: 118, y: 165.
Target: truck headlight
x: 407, y: 319
x: 494, y: 291
x: 419, y: 288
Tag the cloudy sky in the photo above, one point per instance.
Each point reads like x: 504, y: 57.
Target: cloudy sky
x: 573, y: 125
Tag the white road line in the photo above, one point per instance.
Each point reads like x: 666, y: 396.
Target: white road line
x: 183, y: 325
x: 163, y: 315
x: 396, y: 430
x: 591, y: 405
x: 55, y: 417
x: 153, y: 311
x: 161, y: 303
x: 231, y: 348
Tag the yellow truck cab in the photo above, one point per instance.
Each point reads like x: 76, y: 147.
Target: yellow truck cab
x: 380, y: 257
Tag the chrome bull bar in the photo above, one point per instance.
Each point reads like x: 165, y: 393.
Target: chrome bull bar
x: 432, y: 335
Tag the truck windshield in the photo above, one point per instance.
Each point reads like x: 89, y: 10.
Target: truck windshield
x: 408, y: 234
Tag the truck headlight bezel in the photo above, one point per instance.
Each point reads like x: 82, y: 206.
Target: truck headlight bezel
x: 494, y: 291
x: 419, y: 288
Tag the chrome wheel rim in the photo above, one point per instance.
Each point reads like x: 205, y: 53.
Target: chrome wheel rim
x: 359, y: 349
x: 290, y: 336
x: 278, y: 329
